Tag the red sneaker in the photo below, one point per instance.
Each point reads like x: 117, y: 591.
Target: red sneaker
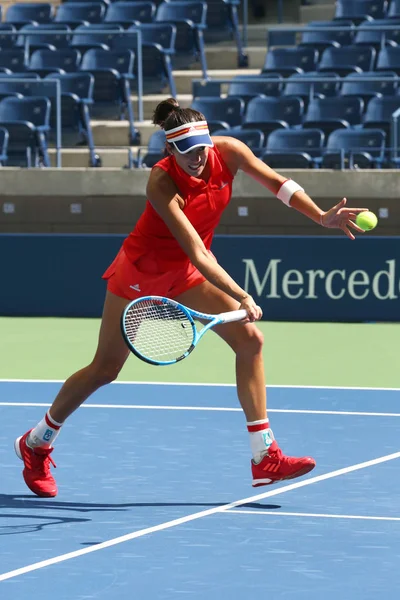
x: 275, y: 466
x: 36, y: 473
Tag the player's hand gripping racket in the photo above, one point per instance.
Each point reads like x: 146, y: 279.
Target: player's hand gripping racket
x: 161, y: 331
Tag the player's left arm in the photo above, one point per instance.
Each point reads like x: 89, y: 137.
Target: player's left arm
x: 238, y: 156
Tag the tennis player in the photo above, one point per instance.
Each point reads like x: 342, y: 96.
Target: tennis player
x: 168, y: 254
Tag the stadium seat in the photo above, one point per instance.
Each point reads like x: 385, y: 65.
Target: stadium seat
x: 294, y: 147
x: 295, y: 86
x: 7, y: 40
x: 380, y: 36
x: 190, y: 20
x: 357, y: 10
x: 221, y: 113
x: 394, y: 9
x: 347, y: 59
x: 27, y: 121
x: 76, y: 13
x: 379, y: 111
x: 333, y: 113
x: 43, y: 37
x: 86, y: 36
x: 223, y: 24
x: 253, y: 138
x: 130, y: 13
x: 4, y: 137
x: 349, y: 148
x: 269, y: 113
x: 76, y: 97
x: 64, y: 60
x: 29, y: 13
x: 368, y: 89
x: 320, y: 40
x: 113, y: 72
x: 13, y: 59
x: 155, y: 151
x: 389, y: 59
x: 158, y: 45
x: 287, y: 61
x: 250, y: 86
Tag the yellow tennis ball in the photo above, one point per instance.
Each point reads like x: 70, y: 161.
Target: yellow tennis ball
x: 367, y: 220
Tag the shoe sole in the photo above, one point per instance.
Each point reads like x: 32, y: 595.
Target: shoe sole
x: 303, y: 471
x: 17, y: 448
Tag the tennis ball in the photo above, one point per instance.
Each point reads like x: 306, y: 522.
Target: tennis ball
x: 367, y: 220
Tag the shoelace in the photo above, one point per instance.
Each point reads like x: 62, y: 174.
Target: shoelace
x: 42, y: 461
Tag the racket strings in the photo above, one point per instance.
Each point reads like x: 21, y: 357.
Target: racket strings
x: 159, y: 331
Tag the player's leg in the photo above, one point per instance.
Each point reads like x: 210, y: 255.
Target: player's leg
x: 269, y: 463
x: 35, y: 446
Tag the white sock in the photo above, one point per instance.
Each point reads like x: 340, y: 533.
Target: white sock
x: 45, y: 432
x: 261, y: 438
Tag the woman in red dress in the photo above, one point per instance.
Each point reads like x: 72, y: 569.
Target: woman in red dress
x: 168, y: 254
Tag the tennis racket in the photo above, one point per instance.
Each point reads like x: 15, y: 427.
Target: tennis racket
x: 161, y: 331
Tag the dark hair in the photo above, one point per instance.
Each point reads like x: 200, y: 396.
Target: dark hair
x: 168, y: 115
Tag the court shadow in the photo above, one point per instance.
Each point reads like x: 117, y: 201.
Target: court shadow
x: 32, y: 527
x: 260, y: 506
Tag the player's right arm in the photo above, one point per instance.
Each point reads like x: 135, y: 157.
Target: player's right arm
x: 163, y: 195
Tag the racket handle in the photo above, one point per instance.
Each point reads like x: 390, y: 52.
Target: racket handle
x: 233, y: 315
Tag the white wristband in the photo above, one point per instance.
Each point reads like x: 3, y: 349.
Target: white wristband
x: 287, y: 189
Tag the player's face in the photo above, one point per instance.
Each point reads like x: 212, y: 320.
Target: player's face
x: 194, y: 161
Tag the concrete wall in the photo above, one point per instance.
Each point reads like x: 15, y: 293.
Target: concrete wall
x: 111, y: 200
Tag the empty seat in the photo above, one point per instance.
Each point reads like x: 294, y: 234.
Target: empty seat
x: 7, y: 40
x: 389, y: 59
x: 328, y: 33
x: 394, y: 9
x: 348, y: 59
x: 13, y: 59
x: 223, y: 24
x: 221, y: 113
x: 29, y: 13
x: 268, y: 113
x: 250, y: 86
x: 329, y: 114
x: 76, y: 13
x: 155, y: 151
x: 95, y: 35
x: 64, y: 60
x: 361, y: 148
x: 380, y: 36
x: 357, y: 10
x: 253, y: 138
x: 296, y: 86
x: 293, y: 147
x: 190, y: 20
x: 379, y: 113
x: 27, y: 121
x: 287, y: 61
x: 130, y: 13
x: 367, y: 89
x: 112, y: 71
x: 43, y: 37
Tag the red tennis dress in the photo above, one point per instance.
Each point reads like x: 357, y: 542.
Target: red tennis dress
x: 151, y: 262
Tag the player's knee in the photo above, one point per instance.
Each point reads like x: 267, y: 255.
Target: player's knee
x: 250, y: 342
x: 105, y: 374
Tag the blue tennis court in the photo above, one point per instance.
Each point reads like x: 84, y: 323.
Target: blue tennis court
x: 156, y: 503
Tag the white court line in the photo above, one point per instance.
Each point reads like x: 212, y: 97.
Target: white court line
x: 195, y: 516
x: 211, y: 408
x: 180, y: 383
x: 272, y: 513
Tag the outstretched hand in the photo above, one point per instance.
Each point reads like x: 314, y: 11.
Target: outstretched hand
x: 340, y: 217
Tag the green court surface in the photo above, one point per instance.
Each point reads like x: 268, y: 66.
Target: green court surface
x: 323, y: 354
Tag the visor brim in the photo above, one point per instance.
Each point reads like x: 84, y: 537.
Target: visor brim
x: 192, y: 142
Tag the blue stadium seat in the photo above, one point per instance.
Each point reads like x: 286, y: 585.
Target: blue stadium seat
x: 253, y: 138
x: 333, y: 113
x: 320, y: 40
x: 221, y: 113
x: 287, y: 61
x: 29, y: 13
x: 64, y: 60
x: 394, y: 9
x: 158, y: 45
x: 13, y: 59
x: 357, y: 10
x: 369, y: 89
x: 4, y: 137
x: 223, y: 24
x: 76, y: 13
x: 27, y: 121
x: 380, y: 36
x: 250, y: 86
x: 349, y: 148
x: 389, y: 59
x: 155, y: 151
x: 295, y: 86
x: 83, y: 37
x: 269, y: 113
x: 294, y: 148
x: 76, y: 97
x: 6, y: 39
x: 43, y: 37
x: 130, y: 13
x: 113, y: 72
x: 379, y: 111
x: 190, y: 20
x: 347, y: 59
